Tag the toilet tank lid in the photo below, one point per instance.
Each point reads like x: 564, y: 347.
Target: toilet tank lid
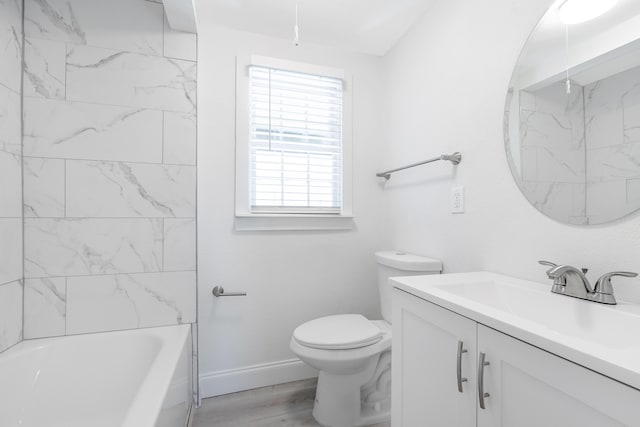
x: 408, y: 262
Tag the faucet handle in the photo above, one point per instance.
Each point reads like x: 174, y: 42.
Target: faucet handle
x: 603, y: 291
x: 603, y: 285
x: 559, y: 282
x: 548, y: 263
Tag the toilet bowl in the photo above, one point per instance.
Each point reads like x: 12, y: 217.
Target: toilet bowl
x: 345, y: 367
x: 353, y: 353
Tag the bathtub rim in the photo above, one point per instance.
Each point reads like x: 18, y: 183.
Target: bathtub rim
x: 146, y: 405
x: 149, y: 400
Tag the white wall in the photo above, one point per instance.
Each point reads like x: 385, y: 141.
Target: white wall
x: 290, y: 277
x: 447, y: 84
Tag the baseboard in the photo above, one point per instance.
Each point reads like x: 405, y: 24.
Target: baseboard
x: 249, y: 377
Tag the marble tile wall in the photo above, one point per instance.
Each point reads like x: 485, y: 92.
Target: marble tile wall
x: 612, y: 118
x: 109, y: 167
x: 11, y: 292
x: 580, y: 154
x: 552, y: 151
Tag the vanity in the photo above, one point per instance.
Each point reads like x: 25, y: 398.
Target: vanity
x: 488, y: 350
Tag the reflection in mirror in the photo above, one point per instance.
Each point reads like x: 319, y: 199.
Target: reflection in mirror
x: 574, y: 149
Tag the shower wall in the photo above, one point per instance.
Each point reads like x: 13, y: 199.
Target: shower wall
x: 10, y: 173
x: 109, y: 167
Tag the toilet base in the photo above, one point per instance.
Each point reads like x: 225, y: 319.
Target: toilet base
x: 341, y: 401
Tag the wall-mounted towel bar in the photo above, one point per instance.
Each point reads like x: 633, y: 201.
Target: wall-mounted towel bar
x: 454, y: 158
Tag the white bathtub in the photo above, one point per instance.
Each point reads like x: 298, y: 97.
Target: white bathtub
x: 137, y: 378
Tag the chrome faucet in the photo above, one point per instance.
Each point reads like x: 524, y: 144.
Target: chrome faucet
x: 576, y: 283
x: 573, y: 282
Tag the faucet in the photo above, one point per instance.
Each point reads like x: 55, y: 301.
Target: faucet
x: 573, y: 282
x: 576, y: 283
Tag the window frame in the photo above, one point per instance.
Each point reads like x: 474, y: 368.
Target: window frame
x: 245, y: 219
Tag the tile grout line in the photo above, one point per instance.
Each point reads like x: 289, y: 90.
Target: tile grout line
x: 23, y: 240
x: 103, y: 104
x: 163, y: 240
x: 60, y: 276
x: 196, y: 340
x: 65, y: 188
x: 134, y: 162
x: 151, y: 54
x: 162, y: 153
x: 66, y: 303
x: 164, y: 29
x: 75, y: 218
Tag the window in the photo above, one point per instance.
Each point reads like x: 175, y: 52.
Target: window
x: 292, y: 140
x: 295, y: 141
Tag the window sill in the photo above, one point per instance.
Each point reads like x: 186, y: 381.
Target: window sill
x: 264, y: 222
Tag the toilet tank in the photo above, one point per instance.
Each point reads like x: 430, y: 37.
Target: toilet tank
x: 398, y: 263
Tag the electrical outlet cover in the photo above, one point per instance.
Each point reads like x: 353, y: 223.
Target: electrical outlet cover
x: 457, y: 199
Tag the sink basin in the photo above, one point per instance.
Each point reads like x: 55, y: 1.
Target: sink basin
x: 560, y: 314
x: 600, y: 337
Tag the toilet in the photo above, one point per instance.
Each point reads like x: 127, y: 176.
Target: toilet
x: 353, y: 353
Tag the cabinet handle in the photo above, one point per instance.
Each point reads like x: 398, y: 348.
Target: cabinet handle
x: 481, y: 393
x: 459, y: 366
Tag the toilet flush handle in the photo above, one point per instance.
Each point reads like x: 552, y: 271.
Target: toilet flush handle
x: 218, y: 291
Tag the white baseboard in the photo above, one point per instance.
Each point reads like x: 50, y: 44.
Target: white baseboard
x: 266, y: 374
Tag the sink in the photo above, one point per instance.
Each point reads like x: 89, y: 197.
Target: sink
x: 600, y: 337
x: 566, y: 317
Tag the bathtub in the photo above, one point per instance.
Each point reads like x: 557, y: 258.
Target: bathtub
x: 136, y: 378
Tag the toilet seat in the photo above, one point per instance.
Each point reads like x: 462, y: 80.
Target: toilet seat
x: 345, y: 361
x: 339, y: 332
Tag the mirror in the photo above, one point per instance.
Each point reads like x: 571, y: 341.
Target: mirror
x: 574, y: 149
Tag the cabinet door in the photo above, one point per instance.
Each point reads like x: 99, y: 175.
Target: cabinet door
x: 424, y: 357
x: 529, y: 387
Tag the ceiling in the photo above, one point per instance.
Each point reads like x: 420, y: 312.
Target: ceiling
x: 551, y: 31
x: 366, y: 26
x: 609, y: 42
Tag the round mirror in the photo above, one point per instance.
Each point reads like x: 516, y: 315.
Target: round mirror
x: 572, y: 115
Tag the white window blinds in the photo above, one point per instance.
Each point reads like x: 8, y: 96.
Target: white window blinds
x: 295, y: 142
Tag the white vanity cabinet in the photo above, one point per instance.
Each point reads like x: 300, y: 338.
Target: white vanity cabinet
x: 425, y: 359
x: 526, y: 386
x: 529, y: 387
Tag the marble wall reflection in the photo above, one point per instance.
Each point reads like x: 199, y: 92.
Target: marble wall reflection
x: 11, y: 292
x: 110, y: 167
x: 612, y: 118
x: 552, y: 150
x: 580, y: 153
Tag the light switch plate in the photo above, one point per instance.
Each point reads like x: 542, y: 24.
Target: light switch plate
x: 457, y: 199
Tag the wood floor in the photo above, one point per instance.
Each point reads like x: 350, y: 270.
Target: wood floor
x: 283, y: 405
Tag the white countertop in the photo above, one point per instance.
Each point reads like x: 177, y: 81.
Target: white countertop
x: 600, y: 337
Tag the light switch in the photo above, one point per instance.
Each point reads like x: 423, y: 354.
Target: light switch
x: 457, y: 199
